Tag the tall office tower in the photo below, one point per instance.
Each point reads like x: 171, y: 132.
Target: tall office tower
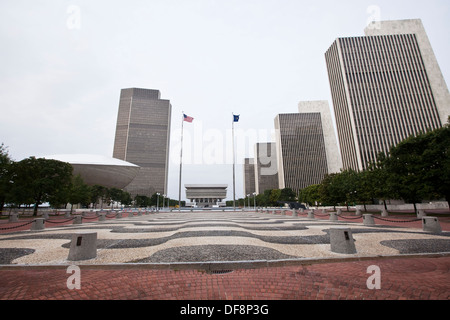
x: 300, y: 142
x: 266, y: 167
x: 334, y: 160
x: 385, y: 86
x: 142, y: 138
x: 249, y: 176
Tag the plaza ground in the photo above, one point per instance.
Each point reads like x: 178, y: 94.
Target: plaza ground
x: 179, y: 256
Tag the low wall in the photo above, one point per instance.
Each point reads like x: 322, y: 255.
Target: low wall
x: 438, y: 205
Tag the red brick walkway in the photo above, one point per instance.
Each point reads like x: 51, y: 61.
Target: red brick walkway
x: 422, y: 278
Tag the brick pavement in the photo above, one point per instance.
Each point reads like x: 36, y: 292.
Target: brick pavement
x: 419, y: 278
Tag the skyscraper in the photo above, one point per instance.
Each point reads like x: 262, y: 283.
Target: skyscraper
x: 301, y: 150
x: 249, y: 176
x: 266, y: 168
x: 142, y: 137
x: 385, y: 86
x: 334, y: 160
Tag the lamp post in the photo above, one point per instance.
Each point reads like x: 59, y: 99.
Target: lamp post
x: 254, y: 201
x: 248, y: 200
x: 164, y: 200
x: 157, y: 201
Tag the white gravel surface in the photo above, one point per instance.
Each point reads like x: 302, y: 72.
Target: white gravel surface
x: 235, y: 235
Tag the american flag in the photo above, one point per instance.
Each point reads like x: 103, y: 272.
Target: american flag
x: 187, y: 118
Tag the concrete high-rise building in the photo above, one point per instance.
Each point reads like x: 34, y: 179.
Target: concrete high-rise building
x: 301, y: 153
x: 334, y: 160
x: 385, y: 86
x: 142, y: 138
x: 249, y: 176
x: 266, y: 167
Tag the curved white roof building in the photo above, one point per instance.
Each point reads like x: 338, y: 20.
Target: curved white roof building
x: 101, y: 170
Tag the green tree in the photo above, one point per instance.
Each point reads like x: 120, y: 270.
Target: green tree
x: 98, y: 193
x: 274, y: 197
x: 407, y: 170
x: 363, y: 188
x: 142, y: 201
x: 310, y: 195
x: 125, y: 198
x: 5, y: 175
x: 378, y: 183
x: 347, y: 182
x: 114, y: 195
x: 436, y: 162
x: 287, y: 194
x: 330, y: 191
x: 37, y: 180
x: 79, y: 192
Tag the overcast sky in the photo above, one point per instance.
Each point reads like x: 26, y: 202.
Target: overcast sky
x: 63, y: 64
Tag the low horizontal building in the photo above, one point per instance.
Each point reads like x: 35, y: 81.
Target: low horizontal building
x: 206, y: 195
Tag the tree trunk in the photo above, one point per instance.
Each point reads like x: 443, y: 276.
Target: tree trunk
x: 415, y: 208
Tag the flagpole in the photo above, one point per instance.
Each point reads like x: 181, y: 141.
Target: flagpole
x: 234, y: 164
x: 181, y: 162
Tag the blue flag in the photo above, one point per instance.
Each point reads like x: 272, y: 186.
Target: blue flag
x: 235, y: 118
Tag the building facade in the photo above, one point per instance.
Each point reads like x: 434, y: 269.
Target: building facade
x: 249, y: 176
x: 385, y: 86
x: 142, y: 137
x: 301, y: 151
x: 334, y: 160
x: 266, y: 167
x: 206, y: 195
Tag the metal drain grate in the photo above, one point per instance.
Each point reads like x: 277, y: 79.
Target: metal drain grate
x: 220, y: 271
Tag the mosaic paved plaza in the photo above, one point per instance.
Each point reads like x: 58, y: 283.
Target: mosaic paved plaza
x: 183, y: 237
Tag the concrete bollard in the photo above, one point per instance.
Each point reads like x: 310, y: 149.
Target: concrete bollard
x: 45, y: 215
x: 333, y: 216
x: 368, y: 220
x: 358, y: 212
x: 13, y: 217
x: 139, y: 213
x: 102, y: 217
x: 421, y: 213
x: 384, y: 213
x: 67, y: 214
x: 294, y: 213
x: 341, y: 240
x: 283, y: 212
x: 431, y: 224
x: 38, y: 224
x: 119, y: 215
x: 83, y: 246
x: 130, y: 215
x: 311, y: 214
x: 78, y: 220
x: 339, y: 211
